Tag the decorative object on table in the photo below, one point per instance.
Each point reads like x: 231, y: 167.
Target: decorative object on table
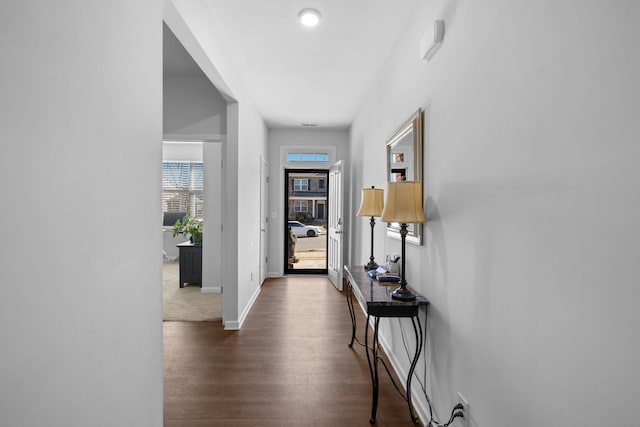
x: 371, y: 205
x: 404, y: 206
x: 393, y: 264
x: 388, y: 277
x: 191, y: 226
x: 378, y: 272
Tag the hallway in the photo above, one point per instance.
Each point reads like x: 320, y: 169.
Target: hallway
x: 289, y: 365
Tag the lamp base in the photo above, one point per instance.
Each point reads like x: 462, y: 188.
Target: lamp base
x: 371, y: 266
x: 403, y: 294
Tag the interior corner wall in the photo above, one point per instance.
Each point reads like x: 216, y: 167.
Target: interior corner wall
x: 212, y: 221
x: 252, y: 138
x: 246, y: 138
x: 278, y: 137
x: 531, y: 173
x: 81, y: 263
x: 230, y: 285
x: 193, y: 106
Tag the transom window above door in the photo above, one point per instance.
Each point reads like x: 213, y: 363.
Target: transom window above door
x: 308, y: 157
x: 305, y: 157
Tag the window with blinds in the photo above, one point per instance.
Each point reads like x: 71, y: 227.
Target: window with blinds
x: 182, y: 188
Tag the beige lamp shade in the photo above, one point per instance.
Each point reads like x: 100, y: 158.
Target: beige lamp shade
x: 372, y: 202
x: 404, y: 203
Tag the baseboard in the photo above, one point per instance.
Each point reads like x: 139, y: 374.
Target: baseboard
x: 234, y: 325
x: 231, y: 325
x: 210, y: 289
x: 273, y: 275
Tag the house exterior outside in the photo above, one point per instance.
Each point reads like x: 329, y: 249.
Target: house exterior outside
x: 307, y: 193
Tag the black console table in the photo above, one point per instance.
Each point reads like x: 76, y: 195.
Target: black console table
x: 190, y: 263
x: 376, y: 297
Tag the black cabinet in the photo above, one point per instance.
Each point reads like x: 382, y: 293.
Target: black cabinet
x: 190, y: 263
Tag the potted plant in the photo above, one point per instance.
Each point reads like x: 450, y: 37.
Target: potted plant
x: 191, y: 226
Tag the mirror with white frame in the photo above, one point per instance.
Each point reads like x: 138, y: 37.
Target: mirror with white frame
x: 404, y: 163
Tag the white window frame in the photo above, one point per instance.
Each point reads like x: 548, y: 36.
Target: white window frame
x: 298, y: 206
x: 285, y: 150
x: 300, y: 184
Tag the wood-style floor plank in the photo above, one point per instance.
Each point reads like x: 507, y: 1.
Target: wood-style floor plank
x: 290, y: 365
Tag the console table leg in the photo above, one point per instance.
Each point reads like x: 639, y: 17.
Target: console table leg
x: 414, y: 362
x: 351, y: 313
x: 373, y: 365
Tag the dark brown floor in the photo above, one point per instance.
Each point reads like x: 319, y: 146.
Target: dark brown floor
x: 289, y: 365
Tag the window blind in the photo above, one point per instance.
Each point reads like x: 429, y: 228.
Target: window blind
x: 182, y: 188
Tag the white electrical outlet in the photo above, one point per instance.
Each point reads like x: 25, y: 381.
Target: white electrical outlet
x: 464, y: 421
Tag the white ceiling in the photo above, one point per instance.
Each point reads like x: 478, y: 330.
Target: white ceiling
x: 299, y: 75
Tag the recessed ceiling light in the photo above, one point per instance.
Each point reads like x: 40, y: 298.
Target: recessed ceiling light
x: 309, y: 17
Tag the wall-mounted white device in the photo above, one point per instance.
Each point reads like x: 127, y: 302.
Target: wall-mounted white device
x: 432, y: 40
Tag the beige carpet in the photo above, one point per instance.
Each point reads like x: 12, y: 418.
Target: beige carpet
x: 188, y: 303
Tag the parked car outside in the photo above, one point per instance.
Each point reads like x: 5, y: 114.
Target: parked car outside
x: 302, y: 230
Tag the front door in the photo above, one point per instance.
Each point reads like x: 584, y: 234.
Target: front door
x: 335, y: 226
x: 305, y: 231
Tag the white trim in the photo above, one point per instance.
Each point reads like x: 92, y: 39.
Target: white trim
x: 286, y: 149
x: 192, y: 137
x: 234, y: 325
x: 211, y: 289
x: 231, y: 325
x: 182, y: 151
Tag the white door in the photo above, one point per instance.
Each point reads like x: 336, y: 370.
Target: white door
x: 264, y: 218
x: 336, y: 226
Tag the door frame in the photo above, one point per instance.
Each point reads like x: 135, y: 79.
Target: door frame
x: 264, y: 219
x: 285, y: 189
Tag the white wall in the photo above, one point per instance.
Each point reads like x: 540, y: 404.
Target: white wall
x: 81, y: 129
x: 192, y: 23
x: 193, y: 106
x: 278, y: 138
x: 182, y: 151
x: 531, y: 181
x: 252, y: 137
x: 212, y: 236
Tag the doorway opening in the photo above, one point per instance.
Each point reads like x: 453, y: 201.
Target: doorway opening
x: 306, y: 204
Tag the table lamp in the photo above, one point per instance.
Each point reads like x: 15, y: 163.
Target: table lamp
x: 371, y: 205
x: 404, y: 205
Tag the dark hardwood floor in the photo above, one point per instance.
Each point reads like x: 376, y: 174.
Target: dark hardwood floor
x: 290, y: 365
